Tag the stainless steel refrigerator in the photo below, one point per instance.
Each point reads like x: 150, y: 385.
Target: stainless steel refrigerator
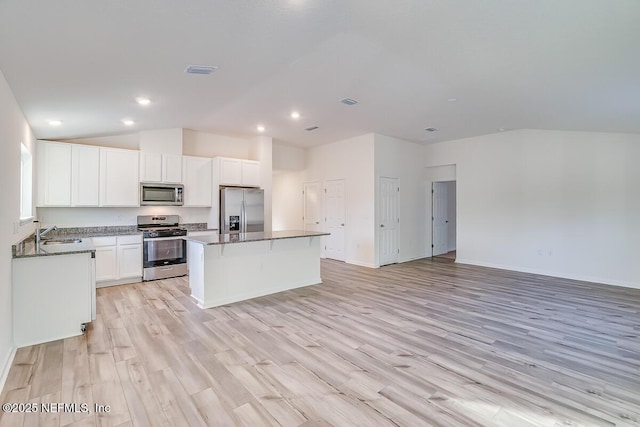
x: 241, y: 210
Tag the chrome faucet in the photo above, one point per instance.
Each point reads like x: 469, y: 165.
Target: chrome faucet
x: 39, y: 233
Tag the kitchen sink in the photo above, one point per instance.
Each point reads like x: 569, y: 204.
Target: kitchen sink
x: 61, y: 241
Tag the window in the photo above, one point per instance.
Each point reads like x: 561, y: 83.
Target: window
x: 26, y: 184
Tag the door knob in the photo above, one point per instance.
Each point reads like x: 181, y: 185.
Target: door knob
x: 317, y: 222
x: 342, y: 224
x: 381, y: 225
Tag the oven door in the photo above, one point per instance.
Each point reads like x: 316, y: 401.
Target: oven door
x: 164, y: 251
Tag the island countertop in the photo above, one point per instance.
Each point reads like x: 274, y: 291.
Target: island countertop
x: 222, y: 239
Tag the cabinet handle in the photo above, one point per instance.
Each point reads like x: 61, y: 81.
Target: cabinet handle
x: 381, y: 225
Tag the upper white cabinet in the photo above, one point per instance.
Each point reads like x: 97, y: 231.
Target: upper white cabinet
x: 196, y: 172
x: 230, y: 171
x: 156, y: 167
x: 238, y: 172
x: 85, y: 175
x: 119, y: 177
x: 67, y: 174
x: 54, y: 174
x: 250, y: 173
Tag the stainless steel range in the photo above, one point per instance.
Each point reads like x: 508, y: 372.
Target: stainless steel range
x: 164, y: 249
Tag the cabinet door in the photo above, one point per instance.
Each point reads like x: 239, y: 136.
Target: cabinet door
x: 106, y: 263
x: 130, y: 260
x: 230, y: 171
x: 197, y: 181
x: 172, y: 169
x: 54, y: 174
x: 119, y: 185
x: 85, y: 166
x: 250, y: 173
x: 150, y: 167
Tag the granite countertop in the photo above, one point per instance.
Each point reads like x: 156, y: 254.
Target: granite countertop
x: 221, y: 239
x: 28, y: 248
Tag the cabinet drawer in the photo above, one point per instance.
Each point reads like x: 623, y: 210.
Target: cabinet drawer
x: 104, y: 241
x: 130, y: 240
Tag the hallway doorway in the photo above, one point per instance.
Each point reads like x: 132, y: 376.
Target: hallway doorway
x: 443, y: 219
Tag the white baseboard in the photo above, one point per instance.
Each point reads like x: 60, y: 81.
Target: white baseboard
x: 6, y: 367
x: 591, y: 279
x: 361, y: 264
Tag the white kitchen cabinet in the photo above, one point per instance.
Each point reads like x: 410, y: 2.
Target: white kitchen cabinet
x: 119, y: 183
x: 230, y: 171
x: 130, y: 257
x: 106, y: 258
x: 54, y: 174
x: 52, y: 297
x: 237, y: 172
x: 197, y: 181
x: 150, y: 167
x: 118, y: 259
x: 171, y: 169
x: 85, y: 175
x: 250, y: 173
x: 156, y: 167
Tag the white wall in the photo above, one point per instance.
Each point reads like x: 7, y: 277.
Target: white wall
x: 551, y: 202
x: 353, y: 160
x: 289, y: 164
x: 395, y: 158
x: 287, y: 200
x: 14, y: 130
x: 262, y: 149
x: 204, y: 144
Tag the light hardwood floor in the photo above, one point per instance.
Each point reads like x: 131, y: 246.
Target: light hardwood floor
x: 422, y: 343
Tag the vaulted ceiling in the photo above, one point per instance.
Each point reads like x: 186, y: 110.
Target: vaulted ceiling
x: 465, y: 67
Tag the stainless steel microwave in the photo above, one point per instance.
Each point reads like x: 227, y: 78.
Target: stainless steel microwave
x: 152, y: 194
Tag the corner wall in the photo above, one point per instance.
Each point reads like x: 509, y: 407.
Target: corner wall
x: 352, y: 160
x: 558, y: 203
x: 14, y: 129
x: 395, y: 158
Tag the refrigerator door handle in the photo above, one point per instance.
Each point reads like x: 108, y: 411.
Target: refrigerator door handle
x: 243, y: 222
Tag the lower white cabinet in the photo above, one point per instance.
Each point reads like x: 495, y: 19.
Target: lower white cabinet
x: 118, y: 259
x: 52, y: 297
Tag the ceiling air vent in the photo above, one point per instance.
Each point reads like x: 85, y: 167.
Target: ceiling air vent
x: 309, y: 129
x: 201, y: 69
x: 431, y: 129
x: 348, y: 101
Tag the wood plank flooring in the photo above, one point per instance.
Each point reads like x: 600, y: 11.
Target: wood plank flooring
x: 428, y: 342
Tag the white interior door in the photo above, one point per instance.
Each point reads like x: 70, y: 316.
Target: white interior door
x: 440, y: 219
x: 389, y: 220
x: 335, y: 219
x: 312, y: 206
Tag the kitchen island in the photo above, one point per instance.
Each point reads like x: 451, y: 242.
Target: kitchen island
x: 227, y: 268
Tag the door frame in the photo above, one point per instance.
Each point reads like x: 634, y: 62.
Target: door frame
x: 448, y: 213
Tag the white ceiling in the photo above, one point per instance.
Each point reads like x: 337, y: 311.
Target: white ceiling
x: 571, y: 64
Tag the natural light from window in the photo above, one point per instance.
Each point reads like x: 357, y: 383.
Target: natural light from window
x: 26, y: 185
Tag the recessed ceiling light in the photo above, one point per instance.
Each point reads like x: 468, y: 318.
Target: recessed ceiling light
x: 501, y: 129
x: 143, y: 101
x: 309, y: 129
x: 260, y: 128
x: 348, y: 101
x: 55, y: 122
x: 452, y: 99
x: 431, y: 129
x: 128, y: 122
x: 295, y: 115
x: 200, y: 69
